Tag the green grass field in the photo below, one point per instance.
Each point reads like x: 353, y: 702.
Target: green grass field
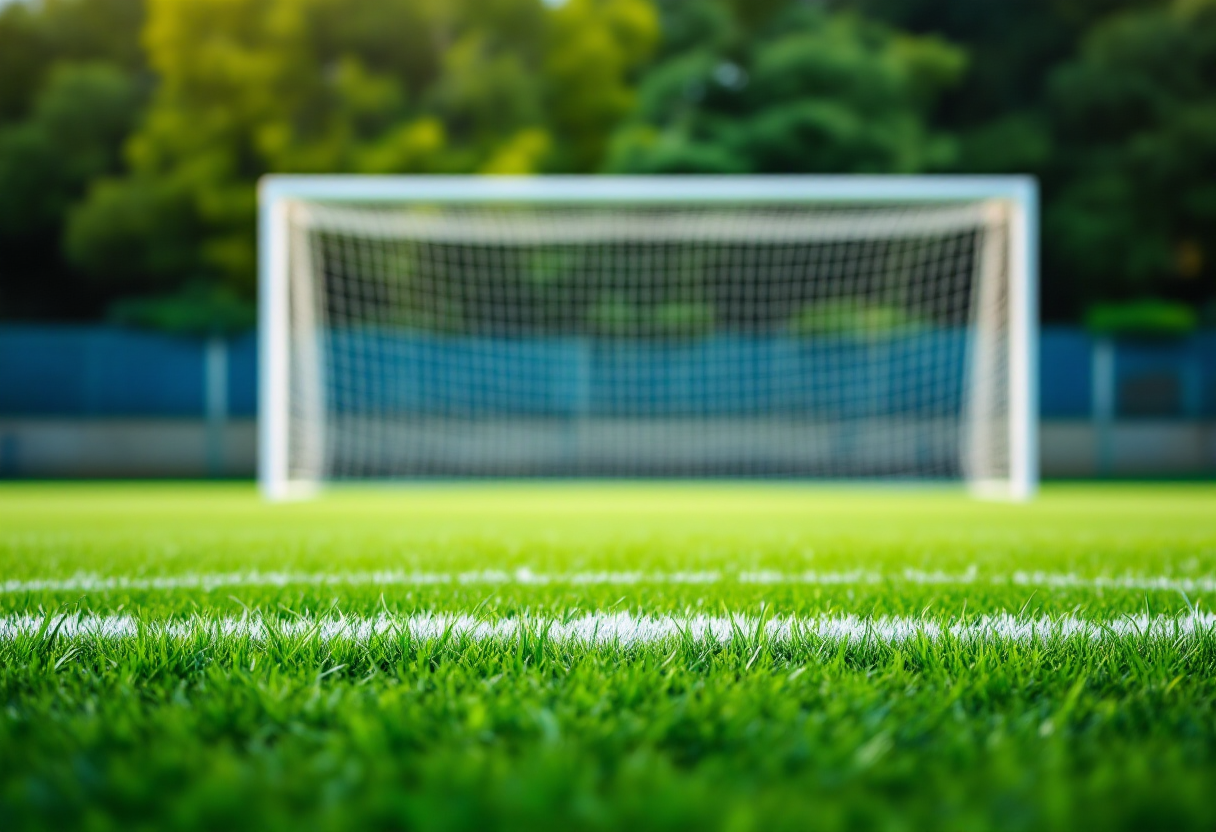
x: 605, y: 656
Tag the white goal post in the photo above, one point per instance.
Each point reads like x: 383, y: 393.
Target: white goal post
x: 834, y: 327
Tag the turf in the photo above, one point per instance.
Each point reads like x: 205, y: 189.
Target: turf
x: 603, y: 656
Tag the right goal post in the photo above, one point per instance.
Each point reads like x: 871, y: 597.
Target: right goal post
x: 834, y: 327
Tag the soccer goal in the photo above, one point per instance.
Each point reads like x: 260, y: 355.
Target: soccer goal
x: 835, y: 327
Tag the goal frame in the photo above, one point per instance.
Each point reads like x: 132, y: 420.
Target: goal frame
x: 277, y: 191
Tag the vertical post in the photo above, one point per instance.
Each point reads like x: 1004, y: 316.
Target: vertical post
x: 216, y: 398
x: 307, y: 364
x: 273, y: 345
x: 987, y: 476
x: 1192, y: 381
x: 1102, y: 402
x: 1023, y: 343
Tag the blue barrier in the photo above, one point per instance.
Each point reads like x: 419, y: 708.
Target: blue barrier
x: 402, y: 372
x: 243, y: 375
x: 1065, y: 373
x: 95, y: 371
x: 98, y: 371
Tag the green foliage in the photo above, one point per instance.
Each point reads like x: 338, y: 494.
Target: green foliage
x: 1144, y: 317
x: 593, y: 50
x: 36, y: 38
x: 249, y: 87
x: 71, y: 91
x: 805, y: 91
x: 852, y: 318
x: 613, y: 315
x: 1136, y: 113
x: 302, y: 731
x: 135, y: 236
x: 132, y: 132
x: 616, y: 316
x: 198, y: 309
x: 71, y: 137
x: 684, y: 319
x: 548, y: 267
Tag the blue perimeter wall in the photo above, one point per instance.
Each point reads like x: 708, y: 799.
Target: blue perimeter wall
x: 98, y: 371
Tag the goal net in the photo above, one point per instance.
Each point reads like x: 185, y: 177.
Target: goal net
x: 566, y: 327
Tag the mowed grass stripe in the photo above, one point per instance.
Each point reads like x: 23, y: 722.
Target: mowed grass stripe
x: 615, y: 628
x: 527, y: 577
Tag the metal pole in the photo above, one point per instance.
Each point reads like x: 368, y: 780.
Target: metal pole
x: 1103, y: 400
x: 216, y: 402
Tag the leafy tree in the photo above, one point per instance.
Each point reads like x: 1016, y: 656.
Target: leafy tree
x: 22, y: 60
x: 71, y: 86
x: 592, y: 50
x: 72, y: 136
x: 1006, y: 114
x: 798, y: 89
x: 1135, y: 116
x: 255, y: 86
x: 36, y: 37
x: 1108, y: 101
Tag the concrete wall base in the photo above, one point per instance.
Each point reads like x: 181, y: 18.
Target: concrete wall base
x: 34, y: 448
x: 126, y: 448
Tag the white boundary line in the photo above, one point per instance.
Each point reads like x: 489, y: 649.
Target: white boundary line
x: 89, y: 582
x: 614, y: 629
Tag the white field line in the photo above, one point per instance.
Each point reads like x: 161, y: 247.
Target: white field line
x: 615, y: 629
x: 88, y: 582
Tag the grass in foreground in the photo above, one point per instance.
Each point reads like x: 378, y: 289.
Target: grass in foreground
x: 603, y: 656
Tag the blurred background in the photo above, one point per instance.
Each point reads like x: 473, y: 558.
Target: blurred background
x: 132, y: 134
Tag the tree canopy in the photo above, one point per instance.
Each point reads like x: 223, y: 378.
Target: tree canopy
x: 132, y: 132
x: 805, y: 90
x: 1135, y: 113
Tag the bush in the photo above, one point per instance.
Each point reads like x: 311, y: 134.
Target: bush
x: 854, y: 319
x: 1159, y: 318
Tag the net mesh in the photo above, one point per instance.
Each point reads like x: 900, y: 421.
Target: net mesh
x: 569, y: 340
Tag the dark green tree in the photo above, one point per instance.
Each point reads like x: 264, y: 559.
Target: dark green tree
x: 1009, y: 116
x: 36, y: 37
x: 47, y: 161
x: 72, y: 85
x: 1135, y: 118
x: 72, y: 137
x: 785, y: 88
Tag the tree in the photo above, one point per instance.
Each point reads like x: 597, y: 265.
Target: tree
x: 1135, y: 117
x: 71, y: 88
x: 248, y: 87
x: 593, y: 48
x: 798, y: 89
x: 36, y: 37
x: 73, y: 136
